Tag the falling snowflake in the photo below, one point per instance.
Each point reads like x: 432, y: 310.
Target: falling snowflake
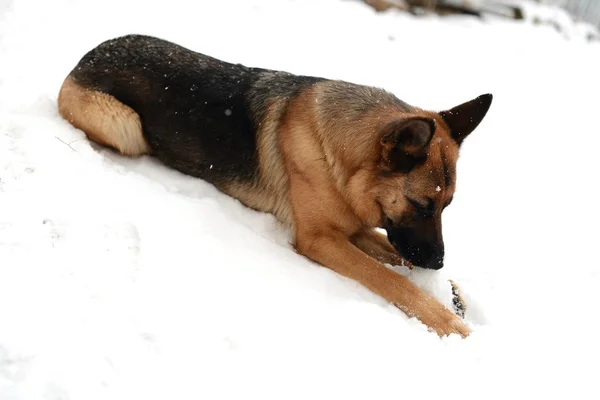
x: 437, y: 189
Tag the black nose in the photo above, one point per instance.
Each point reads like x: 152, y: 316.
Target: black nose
x: 425, y: 256
x: 436, y: 262
x: 422, y: 252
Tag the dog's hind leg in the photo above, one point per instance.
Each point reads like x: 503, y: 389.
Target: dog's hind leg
x: 103, y: 118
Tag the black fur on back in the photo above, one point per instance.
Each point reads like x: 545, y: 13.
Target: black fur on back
x: 199, y: 115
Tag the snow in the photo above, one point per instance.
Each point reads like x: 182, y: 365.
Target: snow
x: 122, y: 279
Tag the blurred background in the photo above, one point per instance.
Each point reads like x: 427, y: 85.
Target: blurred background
x: 571, y: 17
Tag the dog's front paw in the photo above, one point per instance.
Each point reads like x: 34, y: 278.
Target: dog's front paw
x: 442, y: 321
x: 397, y: 259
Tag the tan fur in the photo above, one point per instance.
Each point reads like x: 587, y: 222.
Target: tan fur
x: 336, y: 196
x: 270, y: 192
x: 104, y: 119
x: 376, y: 245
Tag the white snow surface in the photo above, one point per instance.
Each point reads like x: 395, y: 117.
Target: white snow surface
x: 122, y: 279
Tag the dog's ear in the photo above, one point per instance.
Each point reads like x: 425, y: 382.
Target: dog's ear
x: 463, y: 119
x: 404, y: 142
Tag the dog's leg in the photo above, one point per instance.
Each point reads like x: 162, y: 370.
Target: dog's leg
x: 377, y: 246
x: 320, y: 238
x: 332, y: 249
x: 103, y: 118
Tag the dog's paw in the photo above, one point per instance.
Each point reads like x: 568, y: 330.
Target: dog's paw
x: 396, y: 260
x: 443, y: 321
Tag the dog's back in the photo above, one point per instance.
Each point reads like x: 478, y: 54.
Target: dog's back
x: 195, y: 113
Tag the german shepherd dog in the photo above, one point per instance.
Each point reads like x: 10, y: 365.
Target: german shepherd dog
x: 330, y: 159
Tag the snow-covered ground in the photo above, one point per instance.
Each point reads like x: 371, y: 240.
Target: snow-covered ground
x: 121, y: 279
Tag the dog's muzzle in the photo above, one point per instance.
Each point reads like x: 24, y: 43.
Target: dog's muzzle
x: 420, y: 251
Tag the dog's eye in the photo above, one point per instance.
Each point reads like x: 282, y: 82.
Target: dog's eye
x: 426, y: 210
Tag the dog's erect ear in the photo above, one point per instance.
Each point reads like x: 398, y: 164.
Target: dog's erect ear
x: 463, y: 119
x: 404, y: 142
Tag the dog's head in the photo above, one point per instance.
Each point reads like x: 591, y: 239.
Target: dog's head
x: 416, y: 176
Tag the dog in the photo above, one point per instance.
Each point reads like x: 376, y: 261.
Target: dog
x: 330, y: 159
